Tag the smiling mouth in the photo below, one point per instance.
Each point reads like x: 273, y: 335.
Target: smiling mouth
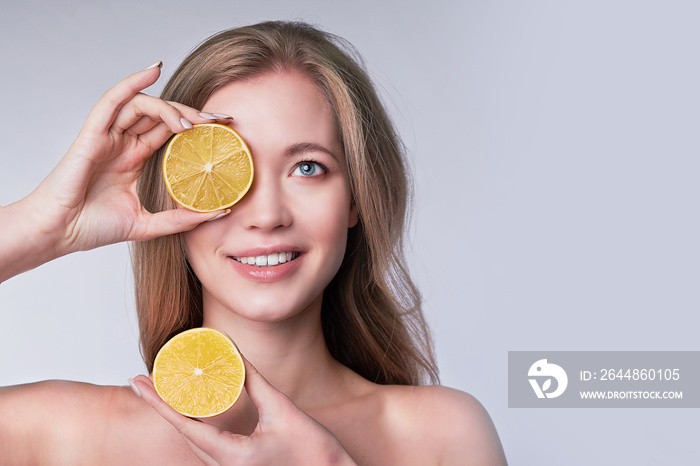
x: 268, y: 260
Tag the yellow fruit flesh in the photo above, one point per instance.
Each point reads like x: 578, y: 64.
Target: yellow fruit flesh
x: 207, y: 168
x: 199, y: 372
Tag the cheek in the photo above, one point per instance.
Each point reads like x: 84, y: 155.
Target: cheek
x: 332, y: 227
x: 195, y: 242
x: 326, y: 222
x: 189, y: 241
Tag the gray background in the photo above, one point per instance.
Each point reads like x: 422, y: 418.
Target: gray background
x: 555, y: 149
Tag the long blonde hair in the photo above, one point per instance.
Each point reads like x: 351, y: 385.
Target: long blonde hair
x: 371, y: 311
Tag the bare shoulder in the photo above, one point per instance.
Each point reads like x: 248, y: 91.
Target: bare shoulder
x: 60, y: 422
x: 31, y: 413
x: 454, y: 422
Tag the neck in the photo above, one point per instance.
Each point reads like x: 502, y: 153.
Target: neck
x: 291, y: 354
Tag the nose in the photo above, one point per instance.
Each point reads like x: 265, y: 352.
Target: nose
x: 264, y: 207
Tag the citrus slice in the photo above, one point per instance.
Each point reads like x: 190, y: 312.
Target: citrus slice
x: 199, y: 372
x: 207, y: 168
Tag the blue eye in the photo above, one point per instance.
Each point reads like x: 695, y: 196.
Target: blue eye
x: 309, y: 169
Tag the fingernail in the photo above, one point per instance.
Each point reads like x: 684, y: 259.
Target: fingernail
x: 208, y: 116
x: 157, y: 64
x: 223, y: 116
x: 222, y: 214
x: 186, y: 124
x: 133, y: 387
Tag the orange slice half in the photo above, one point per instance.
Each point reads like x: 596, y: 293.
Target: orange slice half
x: 207, y: 168
x: 199, y: 372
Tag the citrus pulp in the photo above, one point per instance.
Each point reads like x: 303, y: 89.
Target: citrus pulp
x: 199, y: 372
x: 207, y: 168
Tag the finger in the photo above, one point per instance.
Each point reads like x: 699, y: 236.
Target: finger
x: 200, y: 436
x: 143, y: 125
x: 155, y: 134
x: 197, y: 116
x: 142, y: 105
x: 266, y: 398
x: 173, y: 221
x: 155, y: 137
x: 105, y: 111
x: 201, y: 454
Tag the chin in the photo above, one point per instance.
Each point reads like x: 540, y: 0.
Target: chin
x: 269, y: 308
x: 267, y: 314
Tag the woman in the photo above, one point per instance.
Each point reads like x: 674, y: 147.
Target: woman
x: 336, y: 328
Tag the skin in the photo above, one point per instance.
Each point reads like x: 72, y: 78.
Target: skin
x: 300, y: 406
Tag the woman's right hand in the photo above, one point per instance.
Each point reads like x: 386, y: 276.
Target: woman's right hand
x: 284, y: 434
x: 90, y: 197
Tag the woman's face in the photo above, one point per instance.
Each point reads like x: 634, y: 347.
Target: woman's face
x: 274, y: 254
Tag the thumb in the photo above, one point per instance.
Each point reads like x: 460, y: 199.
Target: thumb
x: 176, y: 220
x: 269, y: 401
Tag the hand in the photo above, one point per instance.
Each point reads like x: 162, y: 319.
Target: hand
x: 284, y: 434
x: 90, y: 198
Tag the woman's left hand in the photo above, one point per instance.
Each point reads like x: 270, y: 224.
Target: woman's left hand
x: 284, y: 434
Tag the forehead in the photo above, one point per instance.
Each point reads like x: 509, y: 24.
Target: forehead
x: 277, y: 108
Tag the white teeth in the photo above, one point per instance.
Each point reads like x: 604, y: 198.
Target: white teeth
x: 269, y: 259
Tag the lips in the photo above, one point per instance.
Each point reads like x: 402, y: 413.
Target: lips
x: 262, y: 267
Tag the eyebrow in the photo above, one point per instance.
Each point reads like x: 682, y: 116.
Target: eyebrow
x: 302, y: 147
